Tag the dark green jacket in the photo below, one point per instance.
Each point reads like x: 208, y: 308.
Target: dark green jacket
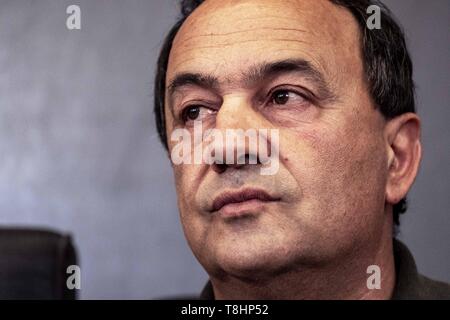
x: 409, y: 283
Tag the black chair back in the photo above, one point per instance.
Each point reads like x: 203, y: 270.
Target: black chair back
x: 33, y: 264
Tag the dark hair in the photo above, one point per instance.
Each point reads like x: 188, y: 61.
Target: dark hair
x: 387, y: 65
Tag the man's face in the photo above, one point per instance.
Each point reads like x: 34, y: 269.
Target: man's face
x: 330, y: 185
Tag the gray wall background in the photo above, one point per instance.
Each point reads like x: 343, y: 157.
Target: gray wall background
x: 79, y: 150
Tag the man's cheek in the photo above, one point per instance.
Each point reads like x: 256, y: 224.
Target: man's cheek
x: 311, y: 150
x: 187, y: 184
x: 180, y: 175
x: 322, y: 160
x: 343, y: 172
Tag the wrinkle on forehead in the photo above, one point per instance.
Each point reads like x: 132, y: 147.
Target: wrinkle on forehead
x: 219, y: 45
x: 222, y: 34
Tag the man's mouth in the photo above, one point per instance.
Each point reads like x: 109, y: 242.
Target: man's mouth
x: 241, y: 202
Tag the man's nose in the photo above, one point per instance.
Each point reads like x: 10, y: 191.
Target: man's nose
x: 237, y: 112
x: 239, y: 124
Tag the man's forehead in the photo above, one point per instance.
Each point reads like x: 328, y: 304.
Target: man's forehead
x: 220, y: 12
x: 233, y: 19
x: 225, y: 36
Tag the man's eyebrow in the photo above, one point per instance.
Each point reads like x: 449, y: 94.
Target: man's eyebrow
x: 188, y: 78
x: 304, y: 67
x: 256, y: 74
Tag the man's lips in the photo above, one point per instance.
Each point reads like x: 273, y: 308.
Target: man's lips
x: 241, y: 196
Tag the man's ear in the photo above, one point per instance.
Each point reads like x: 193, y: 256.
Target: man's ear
x: 402, y: 135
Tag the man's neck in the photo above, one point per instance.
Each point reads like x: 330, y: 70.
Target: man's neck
x: 347, y: 279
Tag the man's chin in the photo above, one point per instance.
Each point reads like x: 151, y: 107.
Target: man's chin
x: 256, y: 262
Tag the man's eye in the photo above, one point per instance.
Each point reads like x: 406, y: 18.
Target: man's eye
x: 281, y: 97
x: 193, y: 113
